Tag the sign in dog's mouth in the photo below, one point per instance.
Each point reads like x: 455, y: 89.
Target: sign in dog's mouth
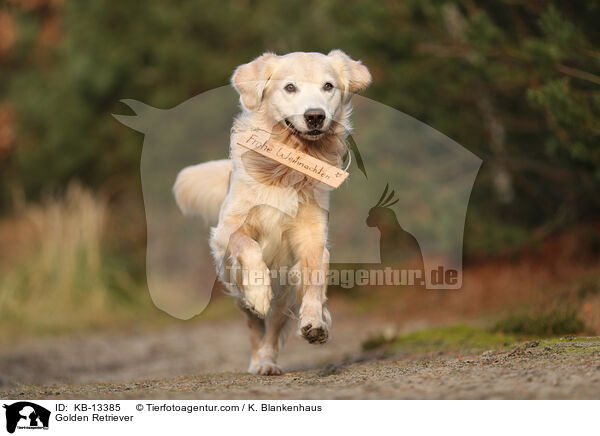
x: 262, y: 143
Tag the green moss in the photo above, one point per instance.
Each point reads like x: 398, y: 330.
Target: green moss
x: 554, y: 341
x: 579, y: 345
x: 447, y: 338
x: 582, y: 350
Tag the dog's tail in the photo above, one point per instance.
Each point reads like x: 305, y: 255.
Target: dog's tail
x: 201, y: 189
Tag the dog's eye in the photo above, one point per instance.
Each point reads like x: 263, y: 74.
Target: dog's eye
x: 328, y: 86
x: 290, y: 88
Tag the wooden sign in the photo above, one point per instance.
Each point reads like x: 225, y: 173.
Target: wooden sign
x: 262, y: 143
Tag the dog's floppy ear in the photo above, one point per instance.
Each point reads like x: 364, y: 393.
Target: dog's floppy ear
x: 251, y: 79
x: 355, y: 75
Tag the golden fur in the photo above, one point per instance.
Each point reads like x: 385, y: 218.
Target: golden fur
x: 273, y: 218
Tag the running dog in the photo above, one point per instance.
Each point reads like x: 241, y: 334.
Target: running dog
x: 267, y: 217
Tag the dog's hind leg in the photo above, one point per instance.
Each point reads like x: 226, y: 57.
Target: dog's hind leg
x: 257, y: 332
x: 276, y: 325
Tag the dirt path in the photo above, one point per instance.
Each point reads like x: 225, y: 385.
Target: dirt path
x: 208, y: 360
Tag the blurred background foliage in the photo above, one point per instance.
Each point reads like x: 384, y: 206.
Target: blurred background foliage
x: 516, y: 82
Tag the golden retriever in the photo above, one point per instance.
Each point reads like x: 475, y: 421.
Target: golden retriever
x: 270, y: 234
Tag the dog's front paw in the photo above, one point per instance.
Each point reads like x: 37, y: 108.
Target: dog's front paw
x: 257, y: 298
x: 265, y: 368
x: 314, y: 331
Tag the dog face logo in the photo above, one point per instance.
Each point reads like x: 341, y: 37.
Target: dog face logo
x: 26, y: 415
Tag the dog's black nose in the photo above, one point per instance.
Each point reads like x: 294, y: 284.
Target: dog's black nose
x: 314, y: 118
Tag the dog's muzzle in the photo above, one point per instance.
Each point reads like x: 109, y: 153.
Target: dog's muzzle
x: 313, y: 132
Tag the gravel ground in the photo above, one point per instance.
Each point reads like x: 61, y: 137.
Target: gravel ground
x: 207, y: 361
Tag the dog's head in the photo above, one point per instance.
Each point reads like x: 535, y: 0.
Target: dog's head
x: 308, y: 93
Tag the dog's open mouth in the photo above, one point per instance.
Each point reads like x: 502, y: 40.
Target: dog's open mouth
x: 311, y: 134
